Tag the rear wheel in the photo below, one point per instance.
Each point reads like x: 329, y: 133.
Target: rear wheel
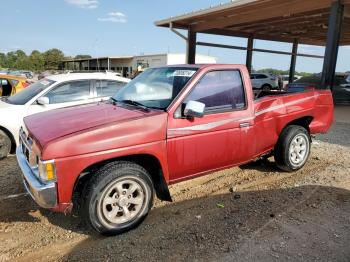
x: 118, y: 198
x: 293, y: 148
x: 266, y: 87
x: 5, y: 145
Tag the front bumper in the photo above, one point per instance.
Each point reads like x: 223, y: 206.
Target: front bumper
x: 45, y: 195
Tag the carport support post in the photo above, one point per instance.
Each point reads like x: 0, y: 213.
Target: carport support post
x: 249, y: 60
x: 293, y: 61
x: 332, y: 47
x: 191, y: 47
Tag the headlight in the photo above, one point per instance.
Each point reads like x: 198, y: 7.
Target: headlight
x: 47, y: 171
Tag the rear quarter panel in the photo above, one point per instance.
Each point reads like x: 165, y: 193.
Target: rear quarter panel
x: 272, y: 114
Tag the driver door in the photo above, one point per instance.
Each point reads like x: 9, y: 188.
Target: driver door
x: 198, y: 145
x: 67, y: 94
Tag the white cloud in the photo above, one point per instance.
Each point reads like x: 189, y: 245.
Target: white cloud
x: 86, y: 4
x: 116, y: 14
x: 114, y: 17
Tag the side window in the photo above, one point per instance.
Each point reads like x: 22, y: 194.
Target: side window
x: 220, y: 91
x: 3, y: 82
x: 6, y: 88
x: 260, y: 76
x: 106, y: 88
x: 70, y: 92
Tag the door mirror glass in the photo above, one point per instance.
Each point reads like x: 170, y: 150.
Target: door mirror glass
x: 43, y: 101
x: 194, y: 109
x: 4, y: 82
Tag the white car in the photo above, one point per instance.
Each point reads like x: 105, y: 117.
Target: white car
x: 264, y: 81
x: 52, y: 92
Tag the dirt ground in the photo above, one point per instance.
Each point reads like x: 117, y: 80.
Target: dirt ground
x: 251, y: 213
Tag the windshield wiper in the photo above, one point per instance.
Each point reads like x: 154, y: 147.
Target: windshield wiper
x: 133, y: 103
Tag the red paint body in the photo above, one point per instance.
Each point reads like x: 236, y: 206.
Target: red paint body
x: 79, y: 137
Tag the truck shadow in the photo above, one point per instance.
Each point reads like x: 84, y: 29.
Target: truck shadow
x: 263, y: 165
x: 232, y: 226
x: 229, y: 227
x: 247, y: 225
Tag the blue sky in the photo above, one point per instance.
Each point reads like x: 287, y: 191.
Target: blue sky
x: 116, y: 27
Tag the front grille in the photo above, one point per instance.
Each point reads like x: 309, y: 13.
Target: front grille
x: 26, y: 144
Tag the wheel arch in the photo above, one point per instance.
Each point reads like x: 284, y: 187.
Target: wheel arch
x: 10, y: 135
x: 266, y: 84
x: 304, y: 121
x: 147, y: 161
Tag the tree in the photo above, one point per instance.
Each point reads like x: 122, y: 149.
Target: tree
x: 53, y: 58
x: 21, y: 60
x: 3, y: 61
x: 82, y: 56
x: 11, y: 59
x: 36, y: 61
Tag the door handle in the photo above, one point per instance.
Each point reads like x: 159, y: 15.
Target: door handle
x: 246, y: 124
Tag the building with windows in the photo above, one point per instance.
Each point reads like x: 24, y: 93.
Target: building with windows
x: 129, y: 65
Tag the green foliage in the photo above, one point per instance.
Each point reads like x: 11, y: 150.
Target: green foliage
x: 279, y: 72
x: 82, y: 56
x: 53, y: 58
x: 36, y: 61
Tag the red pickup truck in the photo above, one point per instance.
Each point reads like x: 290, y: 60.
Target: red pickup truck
x: 167, y: 125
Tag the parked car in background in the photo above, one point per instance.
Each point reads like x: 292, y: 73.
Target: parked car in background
x: 16, y: 73
x: 46, y: 74
x: 264, y: 81
x: 28, y: 74
x: 167, y: 125
x: 341, y: 89
x: 11, y: 85
x: 53, y: 92
x: 286, y: 80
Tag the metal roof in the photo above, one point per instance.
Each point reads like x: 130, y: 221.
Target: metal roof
x: 278, y: 20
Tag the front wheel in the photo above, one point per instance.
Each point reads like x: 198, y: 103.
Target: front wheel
x: 293, y: 148
x: 118, y: 198
x: 266, y: 87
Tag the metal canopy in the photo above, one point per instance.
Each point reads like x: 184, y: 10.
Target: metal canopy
x: 277, y: 20
x: 313, y: 22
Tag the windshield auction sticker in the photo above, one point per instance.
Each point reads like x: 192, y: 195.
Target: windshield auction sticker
x: 184, y: 73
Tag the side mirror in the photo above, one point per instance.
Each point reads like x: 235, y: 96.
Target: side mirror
x: 194, y: 109
x: 44, y: 100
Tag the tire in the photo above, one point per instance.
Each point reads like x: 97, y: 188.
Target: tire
x: 5, y: 145
x: 266, y: 87
x: 108, y: 205
x: 293, y: 148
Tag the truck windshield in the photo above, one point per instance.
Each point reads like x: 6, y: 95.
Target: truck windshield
x: 156, y: 87
x: 28, y: 93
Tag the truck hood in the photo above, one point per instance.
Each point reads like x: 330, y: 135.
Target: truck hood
x: 51, y: 125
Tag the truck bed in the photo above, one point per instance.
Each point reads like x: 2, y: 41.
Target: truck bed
x: 273, y: 112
